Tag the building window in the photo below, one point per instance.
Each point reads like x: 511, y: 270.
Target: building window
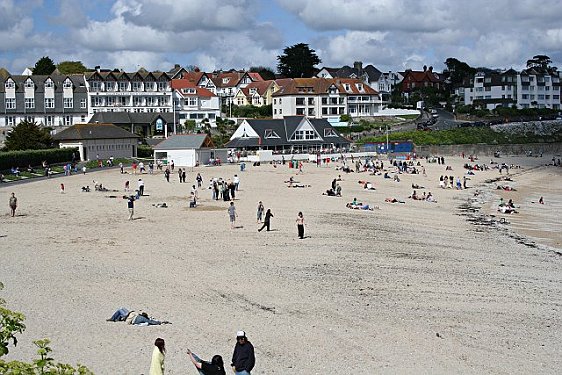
x: 162, y: 86
x: 10, y: 120
x: 311, y: 111
x: 49, y: 84
x: 274, y: 101
x: 67, y: 120
x: 310, y: 101
x: 123, y: 85
x: 29, y: 84
x: 29, y: 118
x: 67, y: 84
x: 49, y: 120
x: 300, y: 111
x: 110, y: 101
x: 95, y: 86
x: 149, y: 101
x: 10, y: 84
x: 49, y: 103
x: 68, y: 103
x: 137, y: 86
x: 11, y: 103
x: 192, y: 102
x: 83, y: 103
x: 300, y: 101
x: 29, y: 103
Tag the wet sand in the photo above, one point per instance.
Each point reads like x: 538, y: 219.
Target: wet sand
x: 408, y: 288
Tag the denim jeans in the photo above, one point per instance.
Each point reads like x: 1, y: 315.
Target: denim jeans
x: 142, y: 319
x: 120, y: 315
x: 243, y: 372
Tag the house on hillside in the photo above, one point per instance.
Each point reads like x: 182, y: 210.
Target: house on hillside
x: 98, y: 141
x: 256, y: 93
x: 228, y: 83
x: 195, y: 103
x: 414, y: 80
x: 188, y: 150
x: 294, y: 134
x: 325, y: 98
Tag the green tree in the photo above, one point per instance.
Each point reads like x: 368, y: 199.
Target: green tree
x: 458, y: 71
x: 28, y: 136
x: 190, y: 126
x: 539, y: 62
x: 265, y: 73
x: 71, y: 67
x: 298, y: 61
x: 44, y: 66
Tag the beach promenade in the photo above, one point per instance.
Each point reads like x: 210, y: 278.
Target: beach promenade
x: 406, y: 288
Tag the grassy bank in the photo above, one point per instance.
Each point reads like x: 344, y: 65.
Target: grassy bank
x: 461, y: 136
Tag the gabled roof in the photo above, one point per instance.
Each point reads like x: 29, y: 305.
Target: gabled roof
x: 93, y: 131
x: 255, y: 76
x: 39, y: 81
x: 283, y: 129
x: 180, y: 84
x: 260, y: 87
x: 318, y: 86
x: 422, y: 76
x: 185, y: 141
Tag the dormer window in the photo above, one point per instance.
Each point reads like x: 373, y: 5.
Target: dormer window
x: 328, y: 132
x: 359, y: 87
x: 49, y: 83
x: 10, y: 84
x: 347, y: 87
x: 189, y: 91
x: 269, y: 133
x: 67, y: 84
x: 333, y: 90
x: 29, y: 84
x: 253, y: 91
x: 225, y: 80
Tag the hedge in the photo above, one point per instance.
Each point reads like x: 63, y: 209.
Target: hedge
x: 144, y: 151
x: 35, y: 157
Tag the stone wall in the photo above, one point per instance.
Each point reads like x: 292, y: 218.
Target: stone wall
x: 488, y: 150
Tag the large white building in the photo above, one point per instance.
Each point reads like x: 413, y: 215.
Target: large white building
x: 325, y: 98
x: 142, y: 91
x: 531, y: 88
x: 194, y: 102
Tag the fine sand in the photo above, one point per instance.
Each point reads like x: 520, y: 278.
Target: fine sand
x: 408, y: 288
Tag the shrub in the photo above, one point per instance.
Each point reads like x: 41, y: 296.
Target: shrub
x: 35, y: 157
x: 144, y: 151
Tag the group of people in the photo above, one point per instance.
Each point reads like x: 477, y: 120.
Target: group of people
x: 265, y: 220
x: 242, y: 363
x: 449, y: 182
x: 224, y: 189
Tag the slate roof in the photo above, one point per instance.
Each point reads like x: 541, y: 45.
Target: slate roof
x: 128, y: 118
x: 260, y: 86
x: 185, y: 141
x: 284, y: 128
x: 321, y: 86
x: 79, y: 86
x: 93, y: 131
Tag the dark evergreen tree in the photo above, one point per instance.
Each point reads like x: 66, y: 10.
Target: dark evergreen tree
x: 298, y: 61
x: 44, y: 66
x: 28, y: 135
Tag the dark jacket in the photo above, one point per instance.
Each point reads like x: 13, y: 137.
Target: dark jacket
x: 243, y: 357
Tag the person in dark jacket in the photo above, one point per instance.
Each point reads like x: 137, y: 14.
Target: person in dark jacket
x: 243, y: 359
x: 267, y: 220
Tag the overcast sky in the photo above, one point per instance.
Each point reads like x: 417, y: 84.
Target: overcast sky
x: 391, y: 34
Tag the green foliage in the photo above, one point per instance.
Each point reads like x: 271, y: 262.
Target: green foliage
x: 190, y: 126
x: 71, y: 67
x: 35, y: 157
x: 11, y: 323
x: 298, y: 61
x: 44, y: 66
x: 345, y: 118
x: 266, y: 73
x: 145, y: 151
x: 539, y: 62
x: 467, y: 135
x: 28, y: 135
x: 93, y: 164
x: 458, y: 71
x: 250, y: 111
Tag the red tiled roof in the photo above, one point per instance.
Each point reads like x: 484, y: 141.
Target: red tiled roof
x: 179, y: 84
x: 255, y: 76
x: 321, y: 85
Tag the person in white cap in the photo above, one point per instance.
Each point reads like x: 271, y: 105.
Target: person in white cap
x: 243, y: 359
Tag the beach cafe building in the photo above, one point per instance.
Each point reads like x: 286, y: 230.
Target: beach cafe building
x: 291, y: 134
x: 188, y: 150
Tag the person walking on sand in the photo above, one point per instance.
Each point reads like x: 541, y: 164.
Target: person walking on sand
x: 214, y: 367
x: 141, y: 186
x: 62, y: 188
x: 13, y: 204
x: 167, y: 174
x: 261, y: 208
x: 267, y: 220
x: 243, y: 358
x: 130, y: 205
x: 232, y: 214
x: 300, y: 225
x: 158, y: 355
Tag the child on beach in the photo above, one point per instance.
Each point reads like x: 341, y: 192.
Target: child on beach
x: 232, y: 214
x: 300, y: 225
x: 62, y: 188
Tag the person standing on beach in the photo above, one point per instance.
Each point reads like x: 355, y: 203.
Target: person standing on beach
x: 14, y: 204
x: 267, y: 220
x: 172, y: 165
x: 300, y: 225
x: 158, y: 355
x: 130, y: 205
x: 232, y: 214
x: 261, y: 208
x: 121, y: 168
x: 179, y: 175
x: 243, y: 358
x: 167, y: 174
x: 199, y: 180
x: 236, y: 182
x: 183, y: 175
x: 141, y: 186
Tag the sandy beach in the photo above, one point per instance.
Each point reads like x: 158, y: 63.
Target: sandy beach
x: 407, y: 288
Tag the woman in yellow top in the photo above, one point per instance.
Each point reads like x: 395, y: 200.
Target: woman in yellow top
x: 158, y: 354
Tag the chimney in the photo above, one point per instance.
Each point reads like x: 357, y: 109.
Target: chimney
x: 425, y: 68
x: 98, y: 68
x: 358, y: 65
x: 430, y: 69
x: 176, y: 66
